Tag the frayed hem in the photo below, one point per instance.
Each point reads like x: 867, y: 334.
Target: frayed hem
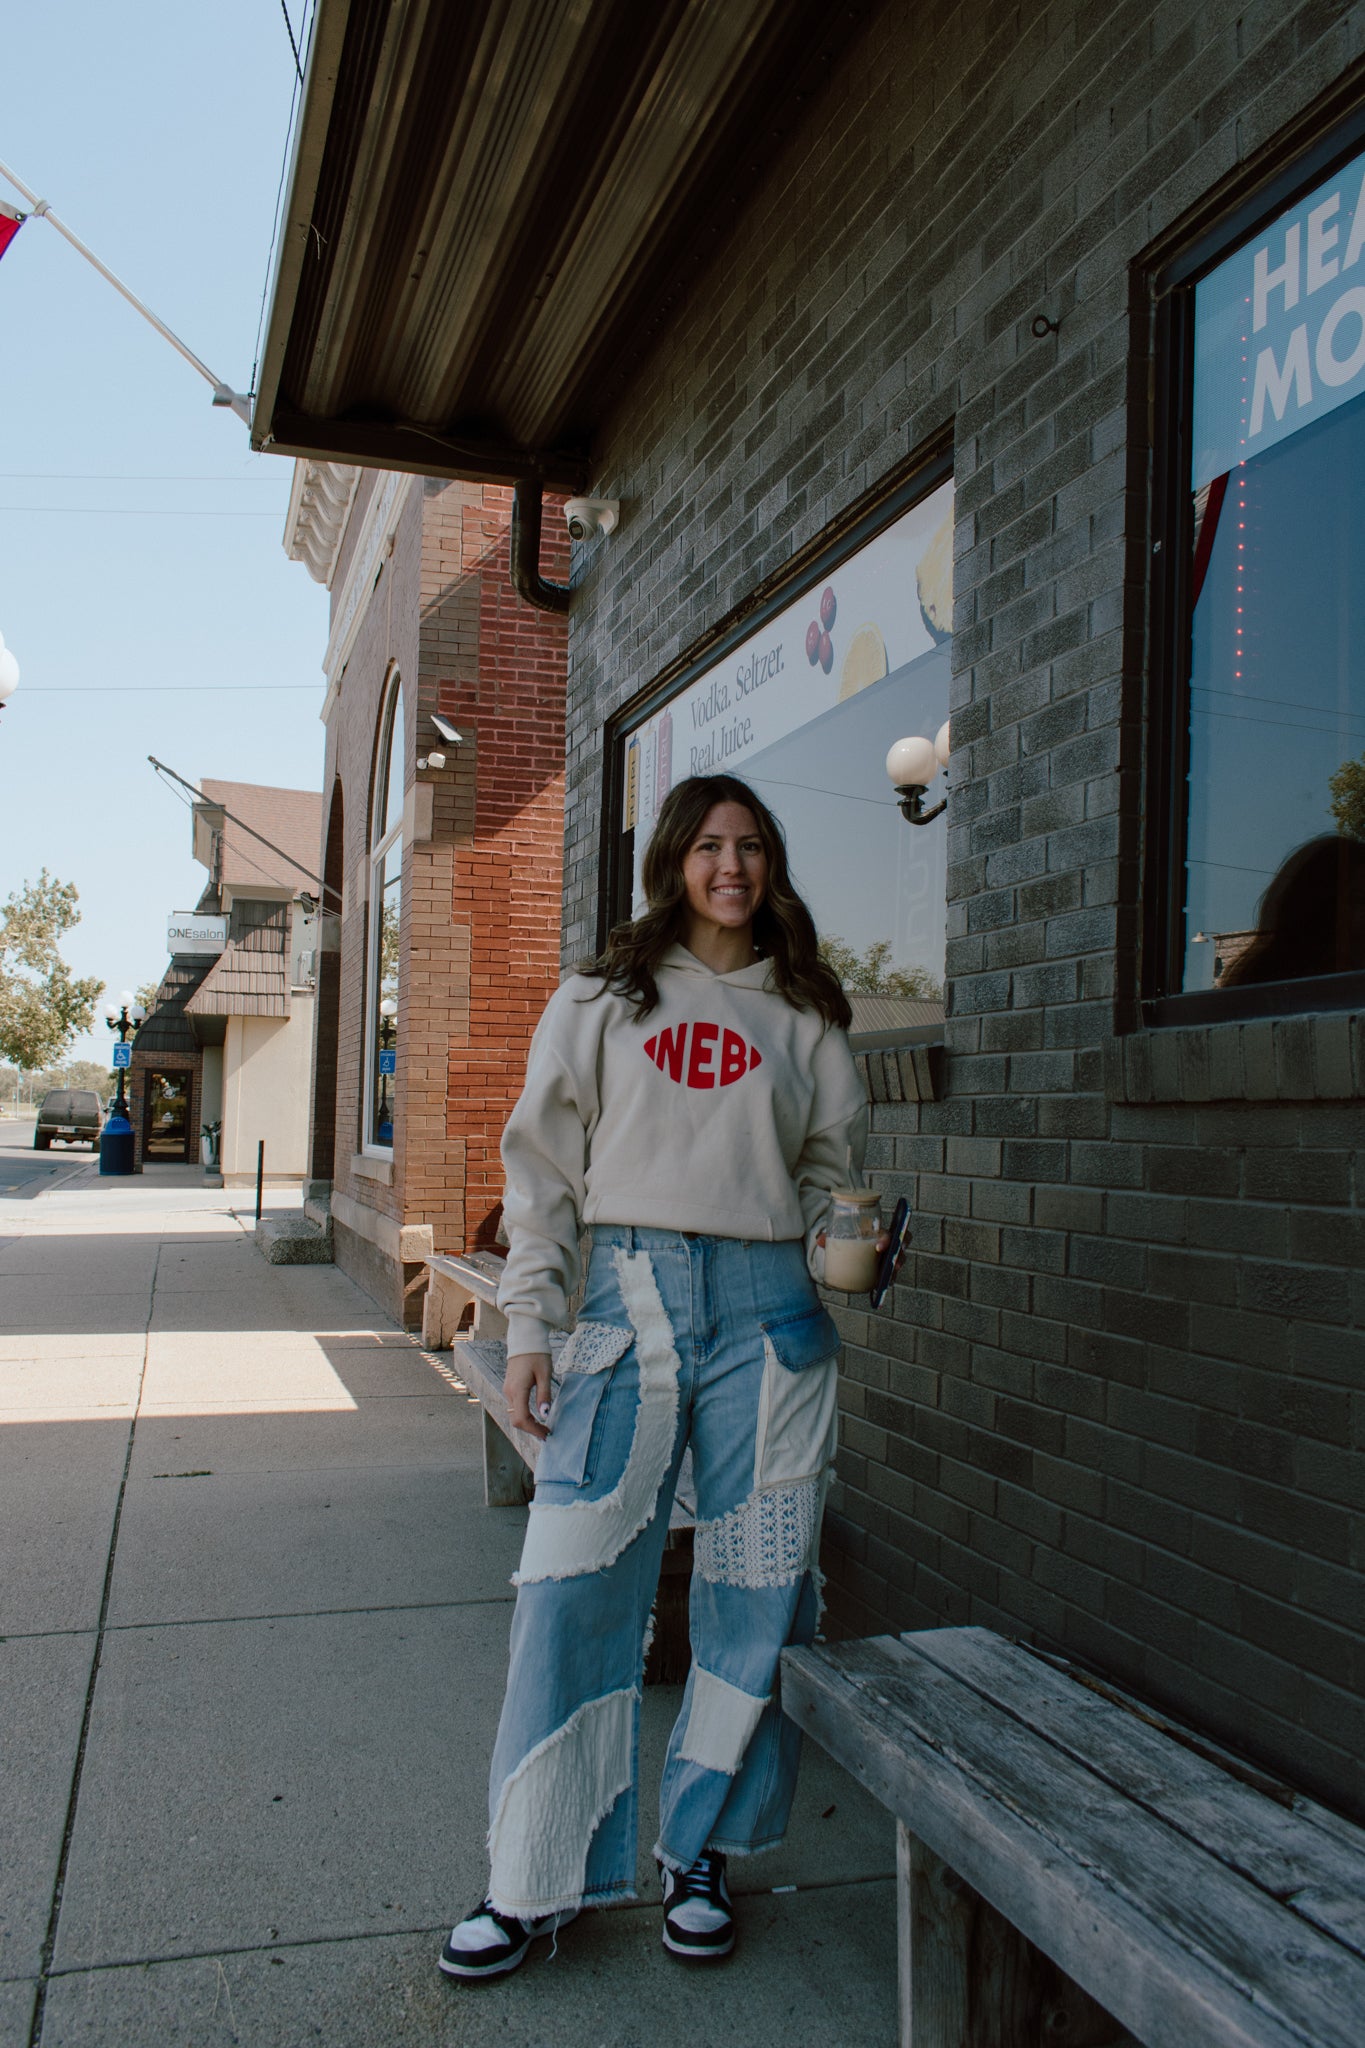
x: 677, y: 1866
x: 745, y: 1848
x: 579, y: 1902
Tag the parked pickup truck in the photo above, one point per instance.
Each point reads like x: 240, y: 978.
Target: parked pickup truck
x: 71, y: 1114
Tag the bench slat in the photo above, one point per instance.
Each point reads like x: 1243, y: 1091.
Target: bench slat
x: 1265, y: 1839
x: 1177, y: 1948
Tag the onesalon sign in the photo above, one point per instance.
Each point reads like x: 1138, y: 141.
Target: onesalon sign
x: 1279, y: 328
x: 190, y: 934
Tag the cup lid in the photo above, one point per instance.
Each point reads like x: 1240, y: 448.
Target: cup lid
x: 863, y: 1197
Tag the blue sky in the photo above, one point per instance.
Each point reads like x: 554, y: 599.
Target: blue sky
x: 142, y: 578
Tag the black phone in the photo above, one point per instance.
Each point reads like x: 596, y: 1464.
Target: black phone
x: 900, y: 1238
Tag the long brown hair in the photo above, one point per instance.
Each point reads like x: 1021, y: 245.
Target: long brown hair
x: 784, y: 930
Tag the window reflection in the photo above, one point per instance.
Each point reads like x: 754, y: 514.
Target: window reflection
x: 386, y: 915
x: 806, y: 709
x: 1277, y: 714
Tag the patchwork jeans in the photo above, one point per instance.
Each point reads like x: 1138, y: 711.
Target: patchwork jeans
x: 721, y: 1343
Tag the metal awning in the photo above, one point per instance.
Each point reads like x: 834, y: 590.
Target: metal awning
x: 495, y: 207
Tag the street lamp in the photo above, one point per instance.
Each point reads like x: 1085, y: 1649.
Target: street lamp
x: 912, y: 765
x: 9, y: 674
x: 116, y: 1140
x: 388, y: 1011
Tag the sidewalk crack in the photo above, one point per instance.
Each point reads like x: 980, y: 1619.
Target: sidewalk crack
x: 101, y: 1630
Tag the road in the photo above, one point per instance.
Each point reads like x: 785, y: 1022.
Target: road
x: 25, y: 1173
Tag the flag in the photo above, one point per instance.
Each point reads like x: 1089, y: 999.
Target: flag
x: 10, y: 224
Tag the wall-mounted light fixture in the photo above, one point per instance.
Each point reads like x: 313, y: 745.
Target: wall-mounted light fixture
x: 912, y: 765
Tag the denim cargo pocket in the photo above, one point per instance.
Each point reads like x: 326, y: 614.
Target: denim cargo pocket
x: 569, y: 1454
x: 803, y: 1340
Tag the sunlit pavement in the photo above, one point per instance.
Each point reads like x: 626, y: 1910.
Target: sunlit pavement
x: 253, y: 1624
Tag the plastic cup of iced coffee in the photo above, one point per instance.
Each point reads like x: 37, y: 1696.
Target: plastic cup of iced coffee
x: 852, y: 1228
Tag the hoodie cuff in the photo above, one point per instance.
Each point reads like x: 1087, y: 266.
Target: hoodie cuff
x: 526, y: 1333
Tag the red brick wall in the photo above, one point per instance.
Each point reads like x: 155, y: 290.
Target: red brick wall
x: 508, y: 861
x: 480, y: 931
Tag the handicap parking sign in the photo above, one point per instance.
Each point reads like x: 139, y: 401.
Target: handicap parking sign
x: 123, y: 1056
x: 388, y: 1061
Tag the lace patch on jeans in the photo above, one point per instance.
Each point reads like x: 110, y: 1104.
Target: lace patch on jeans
x: 592, y: 1347
x: 767, y: 1541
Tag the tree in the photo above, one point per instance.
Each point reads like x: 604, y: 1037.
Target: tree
x: 42, y: 1004
x: 65, y: 1074
x: 1348, y: 798
x: 146, y: 993
x: 867, y: 973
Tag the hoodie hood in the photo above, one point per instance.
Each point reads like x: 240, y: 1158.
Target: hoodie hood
x: 758, y: 974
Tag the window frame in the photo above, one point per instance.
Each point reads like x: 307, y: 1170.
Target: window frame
x: 930, y: 466
x: 1298, y: 166
x: 380, y: 844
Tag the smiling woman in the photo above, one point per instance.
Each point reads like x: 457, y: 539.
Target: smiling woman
x: 691, y: 1098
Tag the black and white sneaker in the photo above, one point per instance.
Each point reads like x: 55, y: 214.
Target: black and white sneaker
x: 698, y: 1922
x: 489, y: 1943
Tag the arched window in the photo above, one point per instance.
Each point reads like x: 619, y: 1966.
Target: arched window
x: 386, y: 907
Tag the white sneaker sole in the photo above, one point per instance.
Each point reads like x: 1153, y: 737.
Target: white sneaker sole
x: 711, y: 1953
x: 468, y: 1970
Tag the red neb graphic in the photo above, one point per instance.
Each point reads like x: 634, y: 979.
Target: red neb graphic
x: 702, y: 1055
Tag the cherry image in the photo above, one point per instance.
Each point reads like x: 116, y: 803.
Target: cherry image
x: 828, y: 608
x: 812, y: 643
x: 826, y: 653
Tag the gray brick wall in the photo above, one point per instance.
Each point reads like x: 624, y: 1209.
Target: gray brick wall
x: 1116, y: 1404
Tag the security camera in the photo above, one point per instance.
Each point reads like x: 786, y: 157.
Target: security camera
x: 447, y: 730
x: 587, y: 516
x: 432, y: 760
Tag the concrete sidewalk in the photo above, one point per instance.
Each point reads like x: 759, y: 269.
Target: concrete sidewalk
x: 253, y: 1624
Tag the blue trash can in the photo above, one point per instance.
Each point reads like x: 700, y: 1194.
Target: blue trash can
x: 116, y: 1146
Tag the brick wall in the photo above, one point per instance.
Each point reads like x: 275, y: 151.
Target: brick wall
x: 1115, y: 1406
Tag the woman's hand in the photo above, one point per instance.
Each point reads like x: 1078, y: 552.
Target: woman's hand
x: 882, y: 1242
x: 527, y: 1387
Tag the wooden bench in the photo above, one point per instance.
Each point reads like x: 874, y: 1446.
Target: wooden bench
x: 460, y: 1314
x: 1049, y: 1823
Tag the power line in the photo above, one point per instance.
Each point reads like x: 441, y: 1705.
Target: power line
x: 157, y: 689
x: 119, y: 476
x: 292, y: 44
x: 133, y: 512
x: 295, y: 106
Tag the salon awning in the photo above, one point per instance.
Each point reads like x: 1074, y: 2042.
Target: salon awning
x: 495, y: 208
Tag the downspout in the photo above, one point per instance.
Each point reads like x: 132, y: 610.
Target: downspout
x: 526, y: 577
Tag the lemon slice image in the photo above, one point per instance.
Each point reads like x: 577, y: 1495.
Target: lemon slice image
x: 934, y: 583
x: 864, y: 663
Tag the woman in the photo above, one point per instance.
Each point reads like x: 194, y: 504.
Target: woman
x: 692, y: 1098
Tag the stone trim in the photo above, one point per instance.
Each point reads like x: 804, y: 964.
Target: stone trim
x: 1264, y: 1059
x: 405, y: 1242
x: 366, y: 1166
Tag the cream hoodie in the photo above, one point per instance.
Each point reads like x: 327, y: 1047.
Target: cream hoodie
x: 725, y: 1111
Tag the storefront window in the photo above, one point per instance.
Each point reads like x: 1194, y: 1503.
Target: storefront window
x: 386, y: 907
x: 1274, y: 842
x: 805, y: 708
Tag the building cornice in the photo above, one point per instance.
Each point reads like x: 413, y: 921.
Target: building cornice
x: 380, y: 523
x: 320, y: 502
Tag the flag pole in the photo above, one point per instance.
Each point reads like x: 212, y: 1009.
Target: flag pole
x: 223, y: 394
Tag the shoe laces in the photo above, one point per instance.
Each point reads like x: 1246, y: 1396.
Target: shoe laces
x: 702, y: 1880
x: 506, y: 1923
